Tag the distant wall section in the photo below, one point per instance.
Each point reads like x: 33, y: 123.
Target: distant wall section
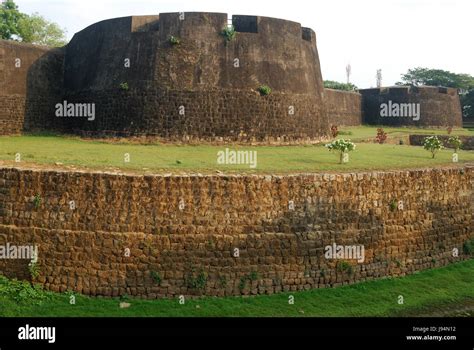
x: 343, y: 107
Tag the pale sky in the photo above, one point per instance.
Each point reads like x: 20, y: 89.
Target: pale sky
x: 393, y: 35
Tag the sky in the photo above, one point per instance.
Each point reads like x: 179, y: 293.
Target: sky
x: 391, y: 35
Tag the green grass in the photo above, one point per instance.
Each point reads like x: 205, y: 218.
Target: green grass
x: 154, y: 158
x: 424, y: 292
x: 362, y: 133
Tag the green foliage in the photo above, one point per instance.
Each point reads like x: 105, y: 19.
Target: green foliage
x: 174, y: 40
x: 9, y: 18
x: 341, y: 146
x: 229, y: 33
x: 468, y: 247
x: 22, y: 292
x: 156, y: 277
x: 124, y: 86
x: 344, y: 266
x: 34, y: 270
x: 331, y: 84
x: 196, y: 282
x: 37, y: 201
x: 36, y: 29
x: 251, y: 277
x: 437, y: 77
x: 467, y: 102
x: 455, y: 142
x: 33, y: 29
x: 432, y: 144
x: 393, y: 205
x: 265, y: 90
x: 222, y: 281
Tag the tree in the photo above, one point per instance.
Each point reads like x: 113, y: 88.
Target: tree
x: 9, y: 17
x: 33, y: 29
x: 438, y: 77
x: 36, y: 29
x: 330, y: 84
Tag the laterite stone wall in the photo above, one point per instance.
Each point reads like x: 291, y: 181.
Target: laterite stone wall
x: 123, y: 230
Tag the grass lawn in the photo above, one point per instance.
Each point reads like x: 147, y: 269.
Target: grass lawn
x: 62, y: 151
x: 363, y: 133
x: 425, y: 293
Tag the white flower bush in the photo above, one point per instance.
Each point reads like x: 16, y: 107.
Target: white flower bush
x: 342, y: 147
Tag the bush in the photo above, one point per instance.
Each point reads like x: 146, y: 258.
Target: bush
x: 124, y: 86
x: 334, y: 131
x: 432, y: 144
x: 37, y: 201
x: 174, y: 40
x: 381, y: 136
x: 229, y: 33
x: 455, y: 142
x: 341, y: 146
x: 264, y: 90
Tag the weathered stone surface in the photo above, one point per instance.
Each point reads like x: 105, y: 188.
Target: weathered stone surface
x: 112, y: 245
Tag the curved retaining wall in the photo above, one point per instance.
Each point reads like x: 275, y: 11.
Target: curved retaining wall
x: 124, y: 231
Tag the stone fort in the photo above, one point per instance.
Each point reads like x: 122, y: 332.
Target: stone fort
x: 204, y: 88
x: 125, y: 230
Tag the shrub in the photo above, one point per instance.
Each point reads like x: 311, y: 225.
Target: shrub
x: 174, y: 40
x: 37, y: 201
x: 229, y: 33
x: 450, y: 130
x: 432, y: 144
x: 124, y: 86
x: 265, y: 90
x: 156, y: 277
x: 344, y: 266
x: 22, y: 292
x: 34, y: 270
x: 381, y: 136
x: 455, y: 142
x: 196, y: 282
x: 341, y: 146
x: 468, y: 247
x: 334, y: 131
x: 393, y: 205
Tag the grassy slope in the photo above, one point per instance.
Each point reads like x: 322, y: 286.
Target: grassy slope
x: 450, y: 286
x: 203, y: 158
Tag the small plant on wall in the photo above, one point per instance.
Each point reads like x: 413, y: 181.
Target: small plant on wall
x: 342, y: 148
x: 265, y: 90
x: 174, y: 40
x: 229, y: 33
x: 124, y: 86
x: 37, y: 201
x: 432, y: 144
